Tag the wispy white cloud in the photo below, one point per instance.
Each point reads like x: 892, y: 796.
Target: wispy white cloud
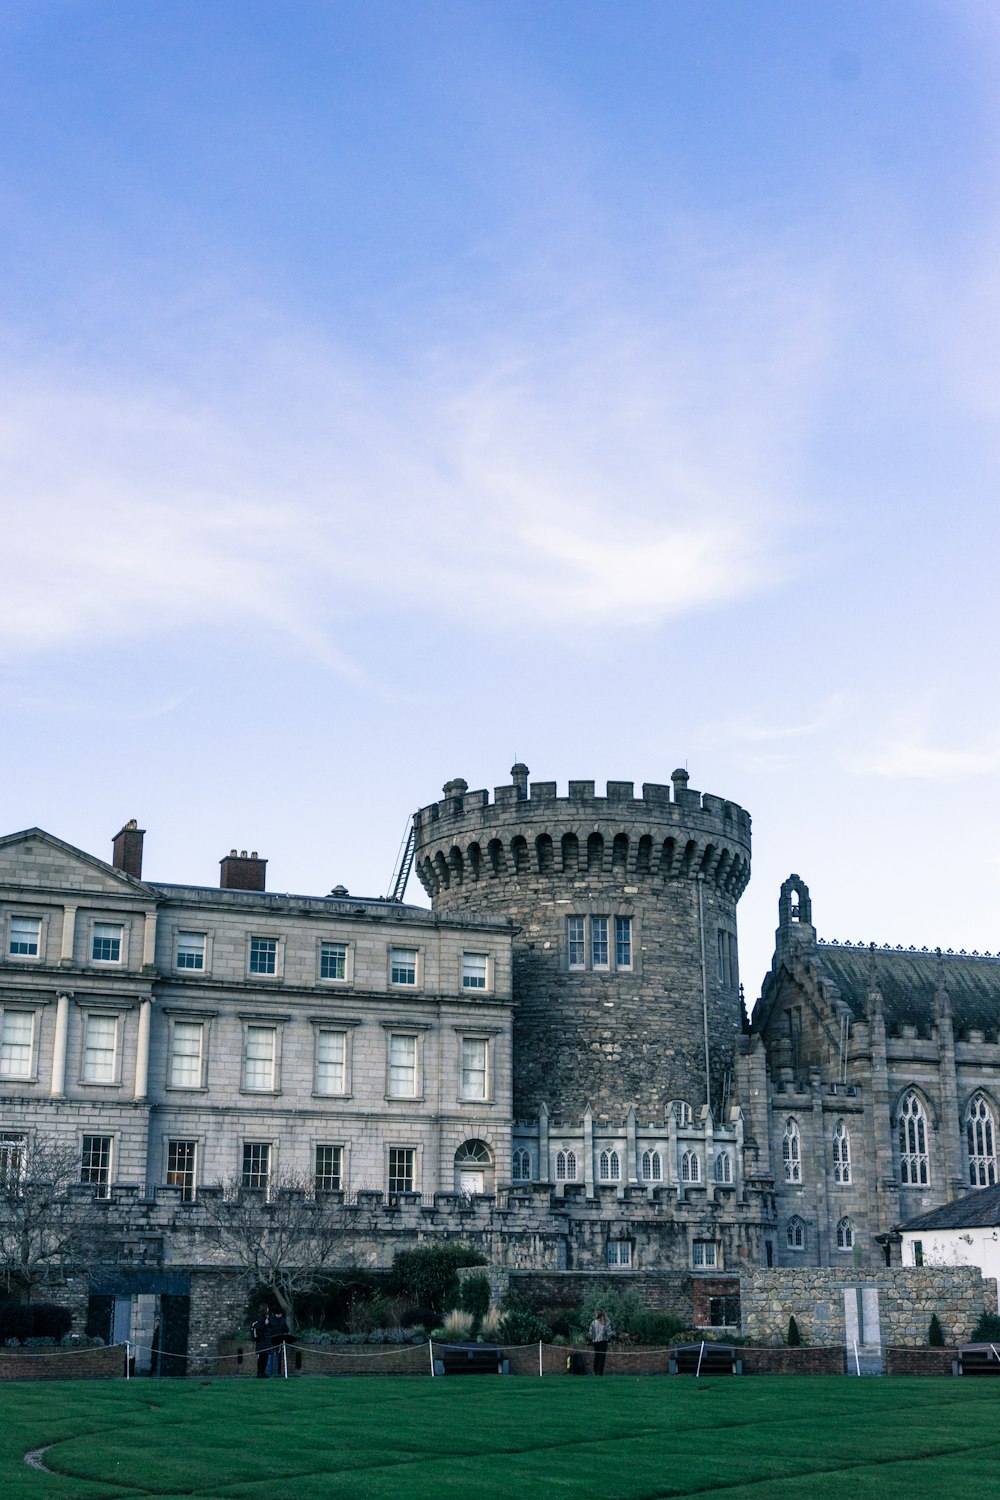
x: 829, y: 713
x: 903, y: 758
x: 613, y: 480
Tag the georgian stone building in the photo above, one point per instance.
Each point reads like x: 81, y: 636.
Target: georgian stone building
x: 552, y: 1063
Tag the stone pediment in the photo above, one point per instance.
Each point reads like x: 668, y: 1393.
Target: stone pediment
x: 36, y: 860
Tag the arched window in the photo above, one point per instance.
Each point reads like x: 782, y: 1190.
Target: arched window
x: 845, y: 1235
x: 980, y: 1136
x: 690, y: 1167
x: 566, y: 1166
x: 473, y: 1168
x: 682, y: 1112
x: 912, y: 1142
x: 841, y: 1153
x: 520, y: 1165
x: 609, y: 1167
x: 791, y: 1151
x: 795, y: 1233
x: 723, y: 1167
x: 652, y: 1167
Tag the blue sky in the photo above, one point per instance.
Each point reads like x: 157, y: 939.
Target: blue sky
x: 388, y: 391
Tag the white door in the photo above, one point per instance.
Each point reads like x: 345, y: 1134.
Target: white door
x: 471, y: 1181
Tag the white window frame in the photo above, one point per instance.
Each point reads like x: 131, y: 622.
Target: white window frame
x: 724, y: 1175
x: 346, y: 950
x: 846, y: 1235
x: 100, y: 932
x: 261, y: 1024
x: 520, y: 1164
x: 402, y: 966
x: 13, y: 1157
x: 392, y: 1179
x: 331, y: 1028
x: 705, y: 1255
x: 473, y: 974
x: 791, y: 1150
x: 690, y: 1166
x: 268, y: 976
x: 340, y: 1156
x: 189, y: 949
x: 795, y: 1234
x: 173, y: 1055
x: 470, y: 1038
x: 566, y: 1164
x: 594, y: 941
x: 842, y: 1154
x: 96, y: 1013
x: 251, y: 1145
x: 8, y: 1074
x: 981, y: 1141
x: 189, y: 1190
x: 651, y: 1165
x: 618, y: 1255
x: 912, y: 1133
x: 25, y: 958
x: 102, y: 1182
x: 609, y: 1166
x: 403, y: 1033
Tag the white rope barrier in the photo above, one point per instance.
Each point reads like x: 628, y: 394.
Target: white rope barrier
x: 59, y: 1353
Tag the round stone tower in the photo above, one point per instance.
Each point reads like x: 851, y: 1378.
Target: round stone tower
x: 626, y: 980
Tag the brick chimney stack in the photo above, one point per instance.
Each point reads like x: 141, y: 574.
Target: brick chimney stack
x: 127, y: 849
x: 242, y: 872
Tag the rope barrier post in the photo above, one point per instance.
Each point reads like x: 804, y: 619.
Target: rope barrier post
x: 701, y: 1356
x: 857, y: 1362
x: 430, y: 1350
x: 284, y: 1357
x: 540, y: 1357
x: 128, y: 1360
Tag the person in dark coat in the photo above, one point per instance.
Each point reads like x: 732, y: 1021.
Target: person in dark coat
x: 261, y: 1333
x: 279, y: 1333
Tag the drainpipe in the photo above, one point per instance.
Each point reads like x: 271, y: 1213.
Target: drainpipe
x: 704, y: 989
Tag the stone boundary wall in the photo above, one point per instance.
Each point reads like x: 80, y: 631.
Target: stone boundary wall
x: 664, y: 1292
x: 107, y: 1363
x: 908, y: 1298
x: 822, y: 1361
x: 920, y: 1361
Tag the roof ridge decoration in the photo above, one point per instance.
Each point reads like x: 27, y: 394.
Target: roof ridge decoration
x: 862, y: 947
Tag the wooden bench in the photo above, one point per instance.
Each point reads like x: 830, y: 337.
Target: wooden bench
x: 705, y: 1359
x: 469, y: 1359
x: 978, y: 1359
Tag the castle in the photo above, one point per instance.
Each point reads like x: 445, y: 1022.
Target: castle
x: 553, y: 1060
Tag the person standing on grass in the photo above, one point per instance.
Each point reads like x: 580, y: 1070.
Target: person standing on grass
x: 260, y: 1332
x: 601, y: 1332
x: 279, y: 1333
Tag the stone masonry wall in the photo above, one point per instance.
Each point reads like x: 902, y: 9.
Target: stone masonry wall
x: 908, y: 1298
x: 601, y: 1034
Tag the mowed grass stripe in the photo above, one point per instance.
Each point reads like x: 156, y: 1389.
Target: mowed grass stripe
x: 615, y: 1439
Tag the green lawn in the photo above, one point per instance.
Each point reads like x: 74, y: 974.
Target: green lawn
x: 400, y: 1438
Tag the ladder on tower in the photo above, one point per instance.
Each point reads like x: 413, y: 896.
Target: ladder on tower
x: 404, y: 864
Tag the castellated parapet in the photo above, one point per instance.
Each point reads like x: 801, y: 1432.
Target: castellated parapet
x: 625, y: 965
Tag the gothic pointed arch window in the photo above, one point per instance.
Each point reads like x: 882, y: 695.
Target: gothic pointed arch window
x: 845, y: 1235
x: 724, y: 1168
x: 690, y: 1167
x: 565, y: 1166
x: 795, y: 1233
x: 791, y: 1151
x: 912, y: 1121
x: 841, y: 1153
x: 980, y: 1138
x: 520, y: 1165
x: 609, y: 1166
x: 652, y: 1166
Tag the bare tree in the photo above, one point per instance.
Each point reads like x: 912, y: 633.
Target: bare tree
x: 287, y: 1240
x: 49, y: 1223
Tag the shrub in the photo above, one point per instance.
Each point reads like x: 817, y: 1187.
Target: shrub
x: 24, y: 1321
x: 475, y: 1295
x: 490, y: 1325
x: 794, y: 1336
x: 656, y: 1328
x: 51, y: 1321
x: 520, y: 1325
x: 622, y: 1305
x: 935, y: 1333
x: 457, y: 1325
x: 987, y: 1330
x: 418, y: 1317
x: 427, y: 1275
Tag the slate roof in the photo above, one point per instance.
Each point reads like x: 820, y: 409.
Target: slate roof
x: 976, y: 1210
x: 908, y: 982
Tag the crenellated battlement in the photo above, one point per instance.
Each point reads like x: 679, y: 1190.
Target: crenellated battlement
x: 669, y: 832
